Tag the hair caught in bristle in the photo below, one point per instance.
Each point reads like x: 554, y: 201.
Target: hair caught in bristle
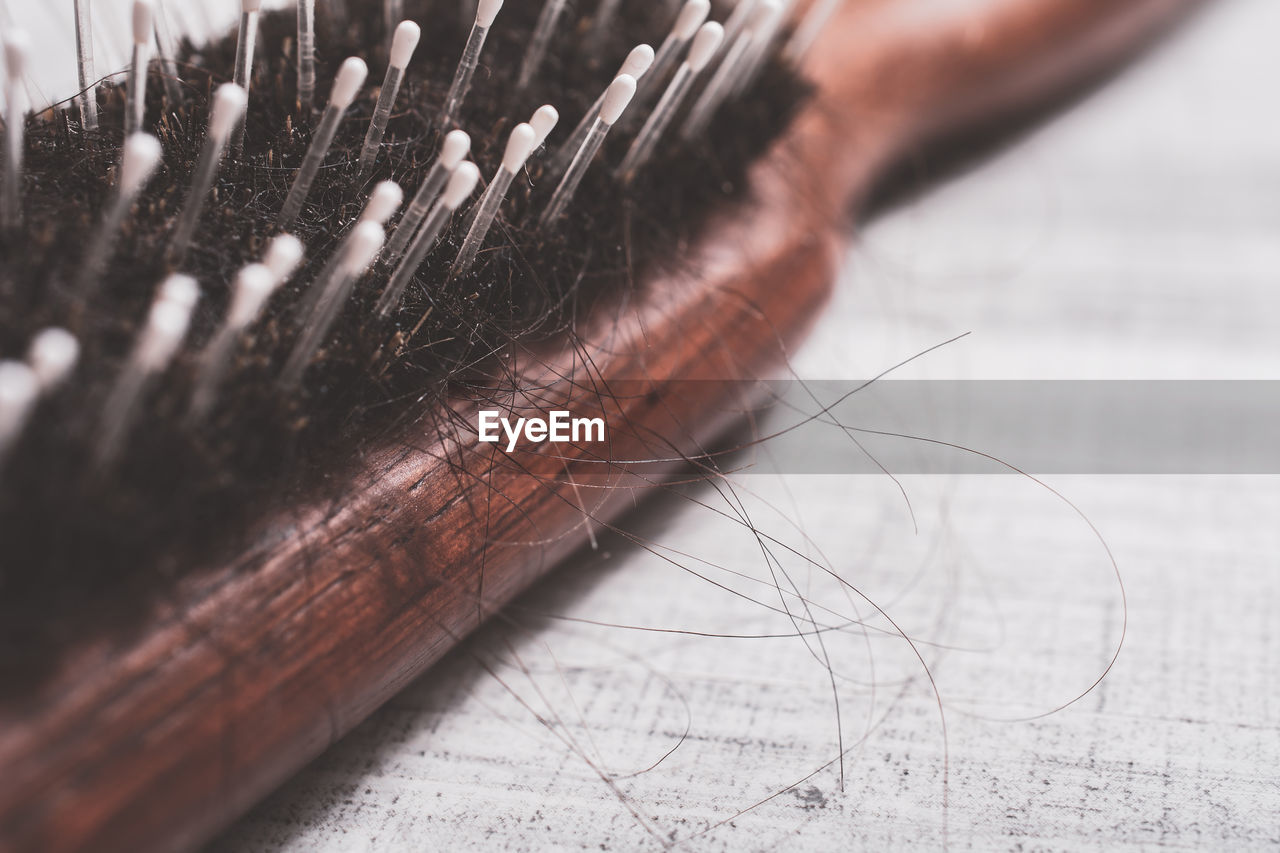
x: 160, y: 424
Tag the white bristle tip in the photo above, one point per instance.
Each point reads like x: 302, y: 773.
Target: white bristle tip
x: 17, y: 49
x: 19, y: 386
x: 168, y: 320
x: 248, y: 6
x: 519, y: 146
x: 229, y: 103
x: 181, y: 290
x: 638, y: 61
x: 53, y: 355
x: 461, y: 185
x: 254, y: 286
x: 138, y: 161
x: 617, y: 97
x: 705, y: 44
x: 765, y: 14
x: 385, y: 200
x: 346, y: 86
x: 166, y: 327
x: 254, y: 278
x: 404, y: 43
x: 692, y: 15
x: 487, y: 11
x: 143, y: 14
x: 456, y: 147
x: 366, y: 242
x: 283, y: 256
x: 544, y: 120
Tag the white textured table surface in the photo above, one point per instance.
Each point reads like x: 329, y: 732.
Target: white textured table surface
x: 1138, y: 236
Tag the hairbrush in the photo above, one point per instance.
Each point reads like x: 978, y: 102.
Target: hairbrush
x: 255, y: 305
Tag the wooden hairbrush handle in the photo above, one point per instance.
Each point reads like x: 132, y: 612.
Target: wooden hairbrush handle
x: 159, y: 739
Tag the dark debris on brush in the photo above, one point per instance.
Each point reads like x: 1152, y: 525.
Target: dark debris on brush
x: 76, y: 547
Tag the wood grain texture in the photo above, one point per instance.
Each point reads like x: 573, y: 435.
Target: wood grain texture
x: 253, y: 668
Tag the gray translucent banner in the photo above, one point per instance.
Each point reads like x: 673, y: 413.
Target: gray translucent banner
x: 976, y: 427
x: 1040, y: 427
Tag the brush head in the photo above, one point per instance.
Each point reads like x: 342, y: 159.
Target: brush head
x: 184, y: 494
x: 404, y: 43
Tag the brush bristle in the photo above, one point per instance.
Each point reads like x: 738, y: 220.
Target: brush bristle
x: 180, y: 494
